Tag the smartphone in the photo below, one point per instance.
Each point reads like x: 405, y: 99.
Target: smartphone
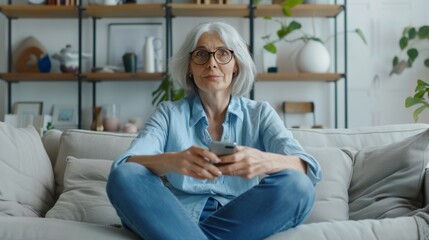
x: 222, y: 148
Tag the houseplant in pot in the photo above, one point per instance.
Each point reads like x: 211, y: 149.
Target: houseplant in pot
x: 166, y: 91
x: 313, y: 56
x: 413, y: 43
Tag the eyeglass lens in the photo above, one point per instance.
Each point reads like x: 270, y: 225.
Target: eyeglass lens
x: 222, y: 56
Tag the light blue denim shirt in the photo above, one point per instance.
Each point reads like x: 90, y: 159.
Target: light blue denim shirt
x: 176, y: 126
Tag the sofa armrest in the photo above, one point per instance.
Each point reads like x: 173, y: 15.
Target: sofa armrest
x: 426, y: 187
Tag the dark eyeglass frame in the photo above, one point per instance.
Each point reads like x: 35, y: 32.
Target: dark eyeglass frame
x: 214, y: 55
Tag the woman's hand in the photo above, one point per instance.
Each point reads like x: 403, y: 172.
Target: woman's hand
x: 249, y: 162
x: 196, y: 162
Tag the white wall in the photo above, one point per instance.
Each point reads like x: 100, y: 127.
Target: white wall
x: 371, y: 102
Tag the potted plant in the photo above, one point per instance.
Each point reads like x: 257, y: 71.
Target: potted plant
x: 166, y: 91
x: 313, y: 46
x: 411, y: 40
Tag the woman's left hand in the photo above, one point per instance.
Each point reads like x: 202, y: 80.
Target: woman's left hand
x: 250, y: 162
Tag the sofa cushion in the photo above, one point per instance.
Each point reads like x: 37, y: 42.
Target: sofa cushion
x: 369, y: 229
x: 84, y: 198
x: 51, y: 143
x: 387, y: 180
x: 26, y: 176
x: 332, y: 191
x: 88, y: 144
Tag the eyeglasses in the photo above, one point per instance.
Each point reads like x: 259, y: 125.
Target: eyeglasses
x: 221, y: 56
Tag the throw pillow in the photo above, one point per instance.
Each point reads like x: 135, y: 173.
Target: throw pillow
x: 26, y: 175
x: 84, y: 198
x: 332, y: 199
x: 387, y: 180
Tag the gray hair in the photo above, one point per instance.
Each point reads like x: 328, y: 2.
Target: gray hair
x: 179, y: 63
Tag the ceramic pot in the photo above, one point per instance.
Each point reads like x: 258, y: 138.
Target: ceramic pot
x: 69, y: 59
x: 313, y: 58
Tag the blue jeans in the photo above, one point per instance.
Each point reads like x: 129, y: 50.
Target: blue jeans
x: 281, y: 201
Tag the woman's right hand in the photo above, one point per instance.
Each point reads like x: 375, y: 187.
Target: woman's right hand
x: 196, y: 162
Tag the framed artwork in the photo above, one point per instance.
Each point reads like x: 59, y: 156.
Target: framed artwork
x: 130, y: 38
x: 64, y: 115
x: 28, y: 108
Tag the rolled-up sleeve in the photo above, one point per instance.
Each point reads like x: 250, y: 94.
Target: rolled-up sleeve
x: 151, y: 140
x: 278, y: 139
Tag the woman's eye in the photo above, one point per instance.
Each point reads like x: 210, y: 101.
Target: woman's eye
x: 201, y: 54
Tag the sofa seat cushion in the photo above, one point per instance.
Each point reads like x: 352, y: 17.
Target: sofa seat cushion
x: 388, y: 229
x: 387, y: 180
x: 26, y: 177
x: 84, y: 198
x: 25, y: 228
x: 331, y: 203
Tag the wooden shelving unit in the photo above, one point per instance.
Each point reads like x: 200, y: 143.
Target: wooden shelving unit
x: 125, y: 11
x: 38, y: 77
x: 167, y: 11
x: 310, y: 77
x: 138, y: 76
x: 303, y: 10
x: 209, y: 10
x: 39, y: 11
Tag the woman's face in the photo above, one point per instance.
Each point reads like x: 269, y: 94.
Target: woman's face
x: 212, y: 76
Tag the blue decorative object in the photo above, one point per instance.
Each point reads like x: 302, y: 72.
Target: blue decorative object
x: 44, y: 64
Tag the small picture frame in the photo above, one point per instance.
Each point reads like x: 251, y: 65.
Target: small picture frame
x: 64, y: 115
x: 28, y: 108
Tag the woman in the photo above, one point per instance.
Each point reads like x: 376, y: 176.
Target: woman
x: 209, y: 196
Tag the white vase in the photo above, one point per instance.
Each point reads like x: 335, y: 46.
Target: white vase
x: 149, y: 55
x: 313, y: 57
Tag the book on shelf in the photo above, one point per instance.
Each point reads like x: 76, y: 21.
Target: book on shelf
x: 62, y: 2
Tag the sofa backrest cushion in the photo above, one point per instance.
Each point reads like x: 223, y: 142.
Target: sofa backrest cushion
x: 84, y: 198
x: 387, y: 180
x: 332, y: 199
x: 26, y: 176
x: 51, y: 143
x: 88, y: 144
x: 357, y: 137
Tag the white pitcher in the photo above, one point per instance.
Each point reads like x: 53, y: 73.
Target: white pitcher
x: 149, y: 55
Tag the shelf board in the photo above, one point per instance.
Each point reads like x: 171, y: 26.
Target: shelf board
x: 39, y: 11
x: 302, y: 10
x: 138, y: 76
x: 209, y: 10
x: 125, y: 11
x: 311, y: 77
x: 38, y: 77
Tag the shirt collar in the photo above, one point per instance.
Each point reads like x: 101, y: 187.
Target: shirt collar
x: 198, y: 113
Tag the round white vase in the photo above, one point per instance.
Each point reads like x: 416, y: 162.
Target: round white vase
x: 313, y: 57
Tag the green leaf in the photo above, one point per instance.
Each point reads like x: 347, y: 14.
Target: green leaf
x: 412, y: 33
x: 411, y: 101
x: 417, y: 112
x: 361, y: 35
x: 419, y: 94
x: 412, y: 54
x: 422, y: 83
x: 423, y: 32
x: 426, y: 62
x: 395, y: 61
x: 403, y: 43
x: 286, y: 12
x: 268, y: 18
x: 282, y: 32
x: 270, y: 47
x: 291, y: 3
x: 294, y: 25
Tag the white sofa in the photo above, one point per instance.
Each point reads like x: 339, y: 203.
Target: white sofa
x: 373, y: 185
